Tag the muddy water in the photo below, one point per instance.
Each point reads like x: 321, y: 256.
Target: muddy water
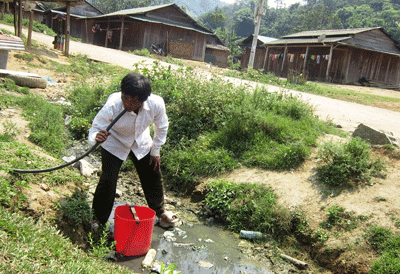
x: 199, y: 249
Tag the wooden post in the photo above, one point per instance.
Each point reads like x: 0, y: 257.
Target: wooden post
x: 305, y: 60
x: 387, y: 69
x: 266, y: 59
x: 2, y: 10
x: 284, y: 58
x: 108, y: 28
x: 68, y: 31
x: 15, y: 18
x: 121, y: 35
x: 29, y: 42
x: 348, y: 67
x: 19, y: 18
x: 329, y: 62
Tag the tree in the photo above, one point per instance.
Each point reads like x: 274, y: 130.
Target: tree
x: 317, y: 18
x: 213, y: 19
x: 244, y: 22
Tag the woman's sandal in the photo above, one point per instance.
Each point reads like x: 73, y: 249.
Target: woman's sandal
x: 168, y: 220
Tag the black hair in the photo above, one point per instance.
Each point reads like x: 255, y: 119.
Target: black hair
x: 134, y: 84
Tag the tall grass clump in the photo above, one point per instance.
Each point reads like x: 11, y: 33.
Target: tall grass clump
x: 388, y: 245
x: 344, y: 163
x: 216, y: 126
x: 249, y: 207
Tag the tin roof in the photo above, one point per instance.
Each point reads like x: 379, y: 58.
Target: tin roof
x: 140, y: 14
x: 11, y: 42
x: 292, y: 41
x: 332, y: 32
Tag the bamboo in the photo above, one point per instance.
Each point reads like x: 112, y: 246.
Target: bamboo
x: 294, y: 261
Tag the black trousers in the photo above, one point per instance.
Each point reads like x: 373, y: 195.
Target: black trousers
x: 104, y: 195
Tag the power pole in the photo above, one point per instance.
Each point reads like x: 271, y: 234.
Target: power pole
x: 258, y: 14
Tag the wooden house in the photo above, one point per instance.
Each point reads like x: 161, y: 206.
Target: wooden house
x: 56, y: 18
x: 216, y: 52
x: 339, y: 56
x: 259, y: 59
x: 165, y: 25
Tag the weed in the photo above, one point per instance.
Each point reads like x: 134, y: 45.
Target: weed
x: 100, y: 247
x: 380, y: 199
x: 249, y: 207
x: 377, y: 236
x: 335, y: 214
x: 77, y: 210
x: 142, y: 52
x: 10, y: 131
x: 340, y: 164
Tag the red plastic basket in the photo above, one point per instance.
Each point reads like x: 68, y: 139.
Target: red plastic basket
x: 133, y: 237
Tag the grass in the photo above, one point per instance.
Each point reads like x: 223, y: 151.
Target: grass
x: 347, y: 163
x: 29, y: 246
x: 214, y: 127
x: 323, y: 89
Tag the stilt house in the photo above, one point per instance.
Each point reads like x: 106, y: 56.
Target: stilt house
x: 339, y: 56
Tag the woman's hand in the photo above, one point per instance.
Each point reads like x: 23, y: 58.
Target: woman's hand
x: 155, y: 161
x: 101, y: 136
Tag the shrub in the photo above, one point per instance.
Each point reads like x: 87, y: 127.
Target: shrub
x: 249, y: 207
x: 77, y: 210
x: 142, y: 52
x: 341, y: 164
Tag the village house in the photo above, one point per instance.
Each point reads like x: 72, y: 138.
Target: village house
x: 165, y: 26
x: 259, y: 58
x: 80, y: 11
x: 348, y: 56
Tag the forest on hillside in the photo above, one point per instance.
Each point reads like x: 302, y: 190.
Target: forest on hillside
x: 235, y: 22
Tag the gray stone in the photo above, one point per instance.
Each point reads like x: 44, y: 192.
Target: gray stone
x: 374, y: 136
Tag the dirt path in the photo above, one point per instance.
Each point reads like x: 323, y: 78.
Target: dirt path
x: 346, y: 114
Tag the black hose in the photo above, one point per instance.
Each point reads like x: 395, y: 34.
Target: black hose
x: 75, y: 160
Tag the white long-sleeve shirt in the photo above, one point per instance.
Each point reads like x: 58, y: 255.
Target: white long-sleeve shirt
x: 131, y: 132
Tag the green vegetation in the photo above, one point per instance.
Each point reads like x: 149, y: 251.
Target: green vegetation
x: 142, y: 52
x: 388, y: 245
x: 342, y: 164
x: 30, y: 246
x: 323, y: 89
x: 249, y: 207
x: 77, y: 210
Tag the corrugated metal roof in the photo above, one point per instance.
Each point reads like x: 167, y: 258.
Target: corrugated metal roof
x: 332, y: 32
x: 308, y: 40
x: 10, y: 42
x: 140, y: 14
x: 168, y: 23
x: 219, y: 47
x: 266, y: 39
x: 141, y: 10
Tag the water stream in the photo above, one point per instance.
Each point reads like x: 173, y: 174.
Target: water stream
x: 199, y: 249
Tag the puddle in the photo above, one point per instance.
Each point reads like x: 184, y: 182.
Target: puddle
x: 194, y: 243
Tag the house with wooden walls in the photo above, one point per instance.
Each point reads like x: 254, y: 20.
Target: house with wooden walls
x: 166, y: 25
x: 56, y: 18
x: 259, y: 58
x: 339, y: 56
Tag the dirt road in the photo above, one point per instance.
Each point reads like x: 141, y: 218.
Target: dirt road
x: 346, y: 114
